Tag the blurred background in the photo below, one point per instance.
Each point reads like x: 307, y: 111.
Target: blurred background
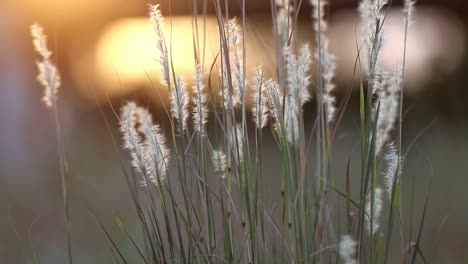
x: 105, y: 51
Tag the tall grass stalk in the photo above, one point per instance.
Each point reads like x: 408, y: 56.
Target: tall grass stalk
x: 49, y: 78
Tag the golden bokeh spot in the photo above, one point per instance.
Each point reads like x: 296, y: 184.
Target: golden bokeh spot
x: 126, y: 50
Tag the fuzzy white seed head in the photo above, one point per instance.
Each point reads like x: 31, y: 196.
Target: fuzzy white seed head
x: 218, y: 157
x: 388, y: 94
x: 225, y: 92
x: 320, y: 24
x: 292, y: 71
x: 298, y: 74
x: 236, y: 63
x: 408, y: 9
x: 200, y: 100
x: 373, y: 225
x: 231, y: 68
x: 282, y: 3
x: 284, y: 25
x: 229, y: 97
x: 237, y: 144
x: 330, y: 108
x: 179, y: 103
x: 275, y: 101
x: 327, y: 60
x: 297, y: 89
x: 157, y: 19
x: 157, y: 154
x: 145, y: 143
x: 260, y: 108
x: 131, y: 138
x: 347, y: 249
x: 232, y: 31
x: 372, y: 13
x: 304, y: 63
x: 372, y: 17
x: 40, y: 41
x: 394, y: 168
x: 48, y: 76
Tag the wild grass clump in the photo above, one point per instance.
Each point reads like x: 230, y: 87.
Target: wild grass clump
x: 199, y: 191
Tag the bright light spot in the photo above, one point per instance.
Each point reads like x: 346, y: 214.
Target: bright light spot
x: 126, y: 50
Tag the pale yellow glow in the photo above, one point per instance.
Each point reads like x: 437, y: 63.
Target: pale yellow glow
x: 123, y: 58
x: 127, y: 52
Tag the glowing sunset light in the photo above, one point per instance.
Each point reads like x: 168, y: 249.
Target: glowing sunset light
x: 127, y: 50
